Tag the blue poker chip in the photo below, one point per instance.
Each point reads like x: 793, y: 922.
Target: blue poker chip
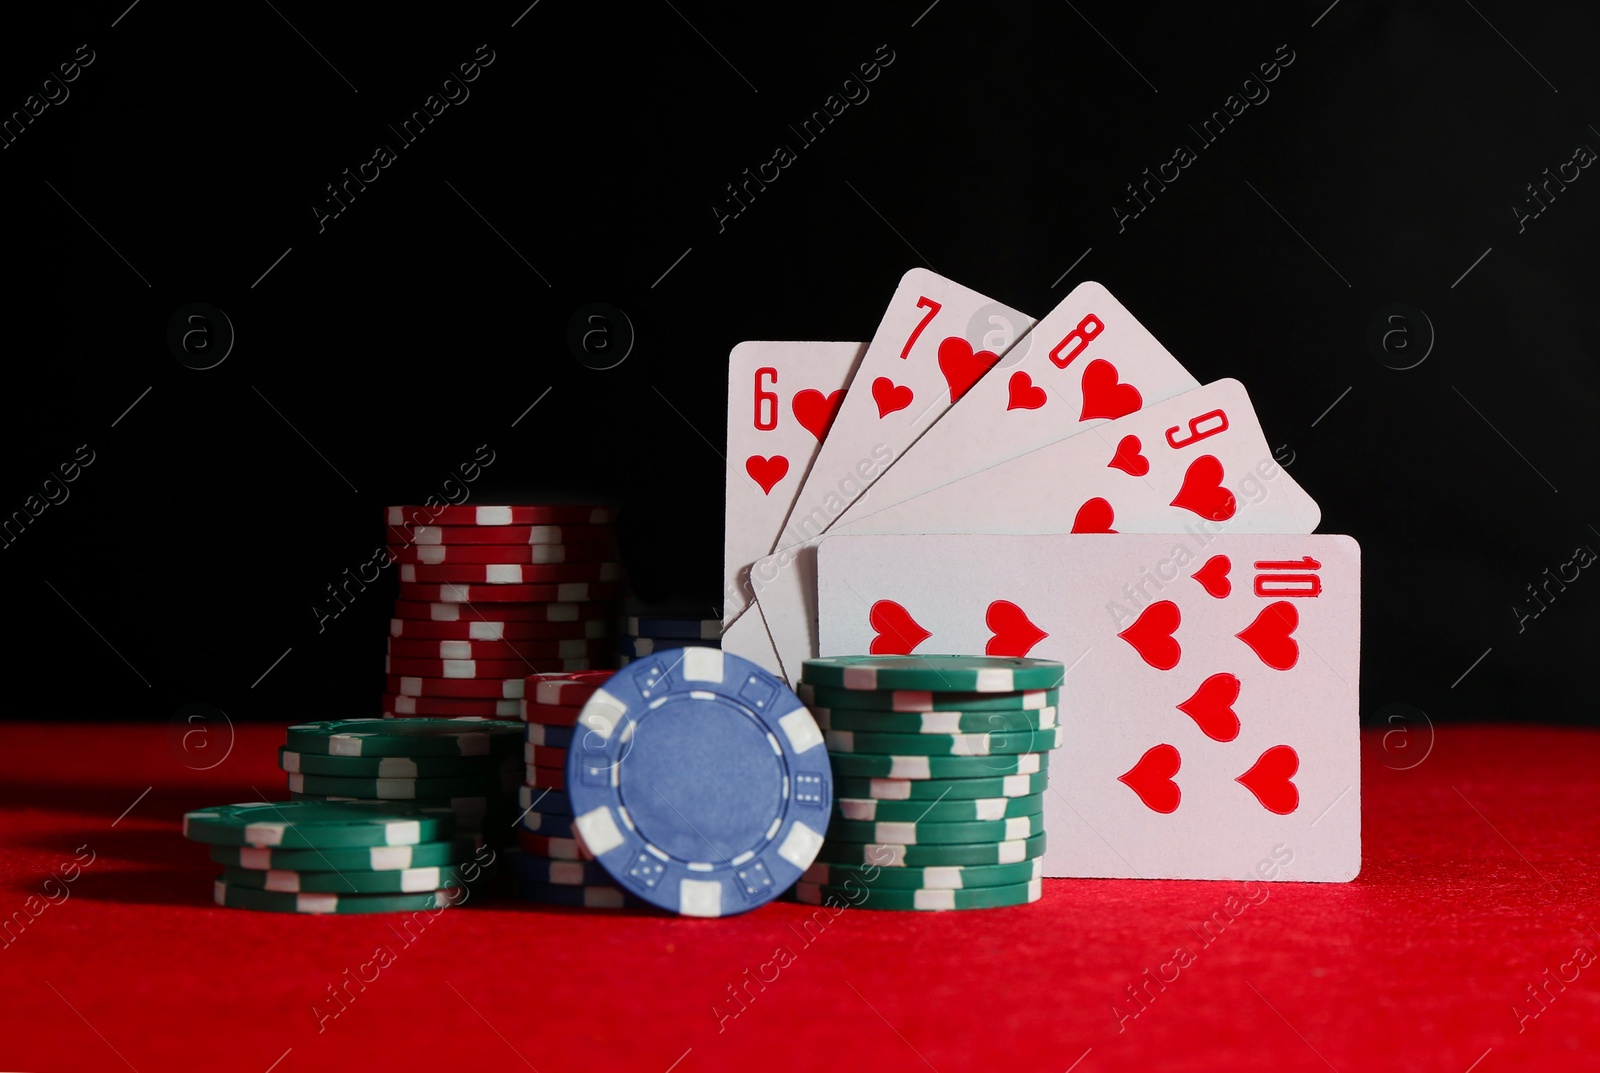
x: 546, y: 823
x: 554, y: 737
x: 527, y: 868
x: 701, y: 784
x: 539, y: 799
x: 634, y: 647
x: 689, y: 627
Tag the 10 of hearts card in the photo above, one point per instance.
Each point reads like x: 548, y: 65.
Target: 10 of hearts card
x: 971, y: 481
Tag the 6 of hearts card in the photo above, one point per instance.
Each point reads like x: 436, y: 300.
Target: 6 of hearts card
x: 1210, y: 704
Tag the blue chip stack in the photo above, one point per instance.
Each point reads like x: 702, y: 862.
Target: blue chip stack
x: 645, y: 635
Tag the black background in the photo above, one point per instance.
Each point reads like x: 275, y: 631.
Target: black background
x: 423, y: 321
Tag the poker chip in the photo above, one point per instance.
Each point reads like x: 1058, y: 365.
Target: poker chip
x: 900, y: 855
x: 509, y: 573
x: 486, y: 630
x: 546, y: 778
x: 918, y: 833
x: 467, y: 554
x: 701, y: 785
x: 989, y: 743
x: 404, y: 706
x: 512, y: 651
x: 949, y: 877
x: 664, y: 626
x: 540, y: 514
x: 871, y: 898
x: 911, y: 700
x: 459, y: 850
x: 397, y: 881
x: 402, y: 789
x: 941, y: 789
x: 543, y: 755
x: 459, y: 688
x: 234, y: 897
x: 544, y: 800
x: 873, y: 810
x: 561, y: 849
x: 565, y: 690
x: 545, y: 823
x: 867, y: 765
x: 634, y: 647
x: 522, y: 653
x: 524, y: 612
x: 526, y: 867
x: 499, y: 534
x: 555, y: 737
x: 317, y: 824
x: 939, y: 722
x: 465, y: 736
x: 590, y: 897
x: 394, y: 767
x: 467, y: 669
x: 559, y: 592
x: 939, y: 674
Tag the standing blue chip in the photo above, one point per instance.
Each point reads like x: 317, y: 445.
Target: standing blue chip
x: 635, y: 647
x: 691, y: 627
x: 699, y: 782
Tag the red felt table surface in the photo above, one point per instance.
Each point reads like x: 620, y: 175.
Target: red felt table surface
x: 1479, y: 882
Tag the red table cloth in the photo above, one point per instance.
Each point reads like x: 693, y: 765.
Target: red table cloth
x: 1468, y: 942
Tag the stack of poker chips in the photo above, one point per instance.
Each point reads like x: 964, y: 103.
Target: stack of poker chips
x: 940, y: 765
x: 344, y: 857
x: 489, y: 595
x: 647, y: 634
x: 553, y: 867
x: 466, y: 766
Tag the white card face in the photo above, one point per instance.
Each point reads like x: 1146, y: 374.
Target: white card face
x: 1196, y: 461
x: 935, y: 341
x: 782, y: 398
x: 747, y: 637
x: 1211, y: 703
x: 1088, y: 361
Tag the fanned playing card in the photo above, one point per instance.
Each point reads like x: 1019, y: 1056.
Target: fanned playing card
x: 1197, y: 461
x: 935, y: 341
x: 1211, y: 702
x: 782, y: 399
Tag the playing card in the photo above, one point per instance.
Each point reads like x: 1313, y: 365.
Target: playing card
x: 747, y: 637
x: 1211, y: 699
x: 1087, y: 362
x: 782, y: 398
x: 935, y: 341
x: 1198, y: 460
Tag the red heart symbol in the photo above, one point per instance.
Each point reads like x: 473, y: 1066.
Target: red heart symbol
x: 1128, y: 459
x: 888, y: 397
x: 1013, y: 632
x: 1268, y: 778
x: 898, y: 634
x: 1269, y: 635
x: 961, y: 367
x: 1151, y: 779
x: 1103, y: 396
x: 1095, y: 516
x: 1025, y: 395
x: 816, y: 411
x: 1151, y: 635
x: 766, y: 471
x: 1202, y: 491
x: 1213, y: 576
x: 1211, y: 707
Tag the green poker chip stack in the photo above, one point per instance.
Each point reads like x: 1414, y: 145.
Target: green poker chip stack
x: 339, y: 856
x: 940, y: 768
x: 469, y: 766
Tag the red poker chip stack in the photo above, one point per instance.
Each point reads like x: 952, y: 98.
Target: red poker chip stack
x: 491, y: 595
